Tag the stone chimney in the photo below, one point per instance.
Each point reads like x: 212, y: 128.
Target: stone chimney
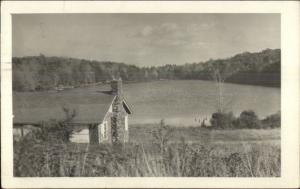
x: 116, y: 87
x: 117, y: 119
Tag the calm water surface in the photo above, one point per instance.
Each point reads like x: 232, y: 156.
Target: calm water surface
x: 185, y: 102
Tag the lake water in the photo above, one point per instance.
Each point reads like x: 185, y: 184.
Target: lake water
x: 185, y: 102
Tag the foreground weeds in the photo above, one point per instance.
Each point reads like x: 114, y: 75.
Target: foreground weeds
x: 44, y: 159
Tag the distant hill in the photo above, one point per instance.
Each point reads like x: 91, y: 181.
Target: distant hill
x: 35, y: 73
x: 261, y: 68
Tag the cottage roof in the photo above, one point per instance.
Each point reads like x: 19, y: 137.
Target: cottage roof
x: 90, y: 104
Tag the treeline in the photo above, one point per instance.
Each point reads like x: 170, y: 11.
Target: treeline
x: 43, y: 73
x: 246, y: 120
x: 262, y: 68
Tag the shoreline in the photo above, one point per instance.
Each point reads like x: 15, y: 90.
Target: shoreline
x: 135, y: 82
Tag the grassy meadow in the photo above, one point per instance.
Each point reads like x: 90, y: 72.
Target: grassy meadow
x: 156, y: 152
x: 194, y: 134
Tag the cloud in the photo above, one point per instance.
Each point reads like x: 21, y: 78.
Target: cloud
x: 172, y: 29
x: 165, y: 34
x: 168, y: 27
x: 157, y: 31
x: 146, y: 31
x: 172, y: 34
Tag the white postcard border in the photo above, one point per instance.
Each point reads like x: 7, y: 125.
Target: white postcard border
x: 289, y: 90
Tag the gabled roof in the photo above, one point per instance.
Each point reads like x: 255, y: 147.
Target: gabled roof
x: 90, y: 104
x: 126, y: 107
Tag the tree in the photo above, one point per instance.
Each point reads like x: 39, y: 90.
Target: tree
x: 43, y: 73
x: 248, y: 119
x: 221, y: 120
x: 219, y: 71
x: 272, y: 121
x: 87, y: 72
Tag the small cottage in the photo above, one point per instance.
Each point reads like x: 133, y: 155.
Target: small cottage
x: 101, y: 114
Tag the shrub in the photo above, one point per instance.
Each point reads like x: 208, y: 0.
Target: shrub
x: 221, y: 120
x: 55, y: 131
x: 161, y: 135
x: 248, y: 119
x: 272, y: 121
x: 59, y: 131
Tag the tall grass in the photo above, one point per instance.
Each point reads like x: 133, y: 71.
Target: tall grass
x: 140, y: 160
x: 162, y: 151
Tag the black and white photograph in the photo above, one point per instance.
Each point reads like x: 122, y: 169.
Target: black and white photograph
x: 185, y: 95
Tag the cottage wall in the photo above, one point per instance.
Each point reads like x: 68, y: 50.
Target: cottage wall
x: 81, y: 136
x: 126, y: 138
x: 21, y: 131
x: 104, y: 128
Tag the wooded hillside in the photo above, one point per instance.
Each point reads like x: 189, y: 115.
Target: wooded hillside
x: 43, y: 73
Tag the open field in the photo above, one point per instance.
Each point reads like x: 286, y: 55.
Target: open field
x: 206, y: 153
x: 142, y: 134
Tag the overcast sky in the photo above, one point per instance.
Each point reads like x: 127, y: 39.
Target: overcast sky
x: 144, y: 39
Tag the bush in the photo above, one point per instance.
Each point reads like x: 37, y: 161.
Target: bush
x: 248, y: 119
x: 161, y: 135
x: 58, y: 130
x: 221, y: 120
x: 55, y: 131
x: 272, y: 121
